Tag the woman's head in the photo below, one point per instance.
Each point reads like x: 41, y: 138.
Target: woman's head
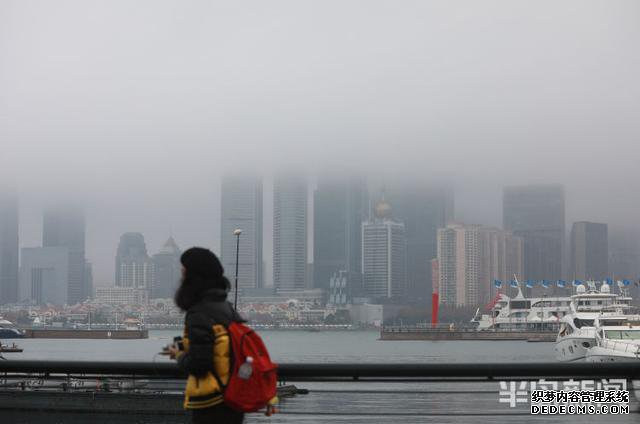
x: 201, y: 272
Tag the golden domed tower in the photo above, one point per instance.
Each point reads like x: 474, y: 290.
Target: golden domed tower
x: 382, y: 209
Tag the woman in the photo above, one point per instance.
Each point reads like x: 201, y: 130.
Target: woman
x: 205, y: 353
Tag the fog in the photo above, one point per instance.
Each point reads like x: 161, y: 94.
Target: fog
x: 137, y: 108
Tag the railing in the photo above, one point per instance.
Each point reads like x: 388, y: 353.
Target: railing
x: 79, y: 392
x: 332, y: 372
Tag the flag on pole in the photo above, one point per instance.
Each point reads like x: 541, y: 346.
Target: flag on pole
x: 626, y: 282
x: 561, y: 283
x: 514, y: 283
x: 530, y: 284
x: 497, y: 283
x: 577, y: 283
x: 545, y: 284
x: 609, y: 281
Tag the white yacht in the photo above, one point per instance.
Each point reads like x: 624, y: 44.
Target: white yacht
x: 617, y: 339
x: 577, y: 329
x: 524, y: 314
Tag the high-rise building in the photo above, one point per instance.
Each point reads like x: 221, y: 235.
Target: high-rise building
x: 340, y: 205
x: 423, y: 208
x: 624, y: 253
x: 44, y: 275
x: 166, y: 271
x: 471, y: 257
x: 589, y: 251
x: 290, y: 232
x: 536, y: 213
x: 384, y: 250
x: 134, y: 268
x: 242, y: 209
x: 9, y: 248
x: 64, y: 226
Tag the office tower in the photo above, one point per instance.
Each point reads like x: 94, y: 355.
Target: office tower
x: 88, y: 280
x: 384, y: 260
x: 589, y: 251
x: 242, y: 209
x: 471, y: 257
x: 64, y: 226
x: 44, y: 275
x: 290, y: 232
x: 9, y: 249
x: 423, y: 208
x: 134, y: 268
x: 536, y: 213
x: 340, y: 205
x: 167, y: 271
x: 624, y: 253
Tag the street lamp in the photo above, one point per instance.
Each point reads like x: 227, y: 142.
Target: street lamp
x: 237, y: 233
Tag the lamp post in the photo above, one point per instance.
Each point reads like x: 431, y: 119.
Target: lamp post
x: 237, y: 233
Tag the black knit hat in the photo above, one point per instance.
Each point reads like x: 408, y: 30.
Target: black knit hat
x: 201, y: 262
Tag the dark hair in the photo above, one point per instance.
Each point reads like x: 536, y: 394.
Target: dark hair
x: 203, y: 273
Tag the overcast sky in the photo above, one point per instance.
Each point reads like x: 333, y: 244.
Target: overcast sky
x: 138, y: 107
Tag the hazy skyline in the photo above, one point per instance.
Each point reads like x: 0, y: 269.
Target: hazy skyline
x: 137, y: 109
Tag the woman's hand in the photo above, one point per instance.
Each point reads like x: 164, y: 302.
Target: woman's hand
x: 173, y: 351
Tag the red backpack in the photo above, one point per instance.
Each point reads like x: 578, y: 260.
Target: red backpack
x: 254, y: 393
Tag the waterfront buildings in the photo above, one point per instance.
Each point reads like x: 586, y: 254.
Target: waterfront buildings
x: 384, y: 249
x: 64, y: 226
x: 341, y: 205
x: 134, y: 268
x: 290, y: 232
x: 471, y: 257
x: 45, y: 273
x: 589, y: 251
x: 9, y: 248
x: 166, y: 271
x: 537, y: 214
x: 121, y: 296
x: 242, y: 209
x: 423, y: 208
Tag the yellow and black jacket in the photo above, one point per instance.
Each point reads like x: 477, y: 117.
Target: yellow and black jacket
x: 206, y: 356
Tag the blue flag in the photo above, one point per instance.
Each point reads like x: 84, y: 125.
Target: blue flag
x: 561, y: 283
x: 609, y: 281
x: 626, y: 282
x: 576, y: 283
x: 530, y: 284
x: 497, y: 283
x: 514, y: 283
x: 545, y: 284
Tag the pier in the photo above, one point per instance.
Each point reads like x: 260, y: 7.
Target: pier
x: 443, y: 333
x: 68, y: 333
x: 74, y: 392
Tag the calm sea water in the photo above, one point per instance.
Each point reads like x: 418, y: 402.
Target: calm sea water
x: 300, y: 346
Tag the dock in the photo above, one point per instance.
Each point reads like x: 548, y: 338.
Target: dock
x: 65, y: 333
x: 423, y: 333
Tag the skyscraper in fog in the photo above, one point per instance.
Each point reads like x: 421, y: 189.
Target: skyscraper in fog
x: 44, y: 275
x: 423, y: 208
x: 290, y: 232
x: 589, y: 251
x: 384, y: 248
x: 9, y: 249
x: 536, y: 213
x: 471, y: 257
x: 64, y: 226
x: 134, y: 268
x: 341, y: 205
x: 166, y: 270
x: 242, y: 209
